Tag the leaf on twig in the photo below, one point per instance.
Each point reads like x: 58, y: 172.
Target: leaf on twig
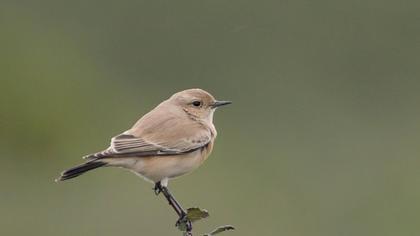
x: 182, y: 225
x: 220, y: 229
x: 195, y: 213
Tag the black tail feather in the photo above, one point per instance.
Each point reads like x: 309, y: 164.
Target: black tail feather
x: 80, y: 169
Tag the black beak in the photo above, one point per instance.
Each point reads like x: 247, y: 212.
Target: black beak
x: 220, y: 103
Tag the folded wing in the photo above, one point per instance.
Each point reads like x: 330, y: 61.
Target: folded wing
x: 127, y: 145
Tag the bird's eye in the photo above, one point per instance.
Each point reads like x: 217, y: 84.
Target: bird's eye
x: 196, y: 103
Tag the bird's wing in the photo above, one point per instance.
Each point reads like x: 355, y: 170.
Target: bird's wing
x: 128, y: 145
x: 161, y: 132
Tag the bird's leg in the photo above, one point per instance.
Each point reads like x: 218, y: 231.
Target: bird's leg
x: 171, y: 200
x: 175, y: 205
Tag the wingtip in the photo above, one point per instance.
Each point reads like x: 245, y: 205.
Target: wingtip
x: 89, y: 157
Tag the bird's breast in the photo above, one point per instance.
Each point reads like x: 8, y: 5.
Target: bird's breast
x: 160, y: 167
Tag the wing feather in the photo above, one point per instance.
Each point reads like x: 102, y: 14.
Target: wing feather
x: 130, y: 146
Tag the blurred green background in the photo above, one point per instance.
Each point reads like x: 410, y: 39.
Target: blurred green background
x: 322, y: 139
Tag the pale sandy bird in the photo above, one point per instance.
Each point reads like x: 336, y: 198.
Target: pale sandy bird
x: 173, y: 139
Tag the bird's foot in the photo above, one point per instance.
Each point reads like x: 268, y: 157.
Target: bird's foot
x: 157, y: 188
x: 184, y: 222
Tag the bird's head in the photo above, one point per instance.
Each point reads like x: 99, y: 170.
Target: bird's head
x: 197, y: 103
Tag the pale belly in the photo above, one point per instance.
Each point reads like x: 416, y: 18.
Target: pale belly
x: 158, y: 168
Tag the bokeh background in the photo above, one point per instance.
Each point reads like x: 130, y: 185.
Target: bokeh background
x: 322, y: 140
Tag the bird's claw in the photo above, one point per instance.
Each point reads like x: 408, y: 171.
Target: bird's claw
x: 184, y: 221
x: 157, y: 189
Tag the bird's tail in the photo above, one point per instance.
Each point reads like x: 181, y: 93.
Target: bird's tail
x: 80, y: 169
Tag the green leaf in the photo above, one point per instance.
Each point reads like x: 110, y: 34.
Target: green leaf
x: 182, y: 225
x: 195, y: 213
x: 220, y: 229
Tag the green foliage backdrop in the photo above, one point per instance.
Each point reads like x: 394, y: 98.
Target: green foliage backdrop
x: 322, y: 139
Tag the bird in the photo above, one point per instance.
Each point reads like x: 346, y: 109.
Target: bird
x: 171, y: 140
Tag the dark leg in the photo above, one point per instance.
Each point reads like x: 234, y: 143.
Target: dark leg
x: 157, y: 188
x: 174, y: 203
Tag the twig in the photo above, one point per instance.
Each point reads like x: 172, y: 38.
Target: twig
x: 186, y: 218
